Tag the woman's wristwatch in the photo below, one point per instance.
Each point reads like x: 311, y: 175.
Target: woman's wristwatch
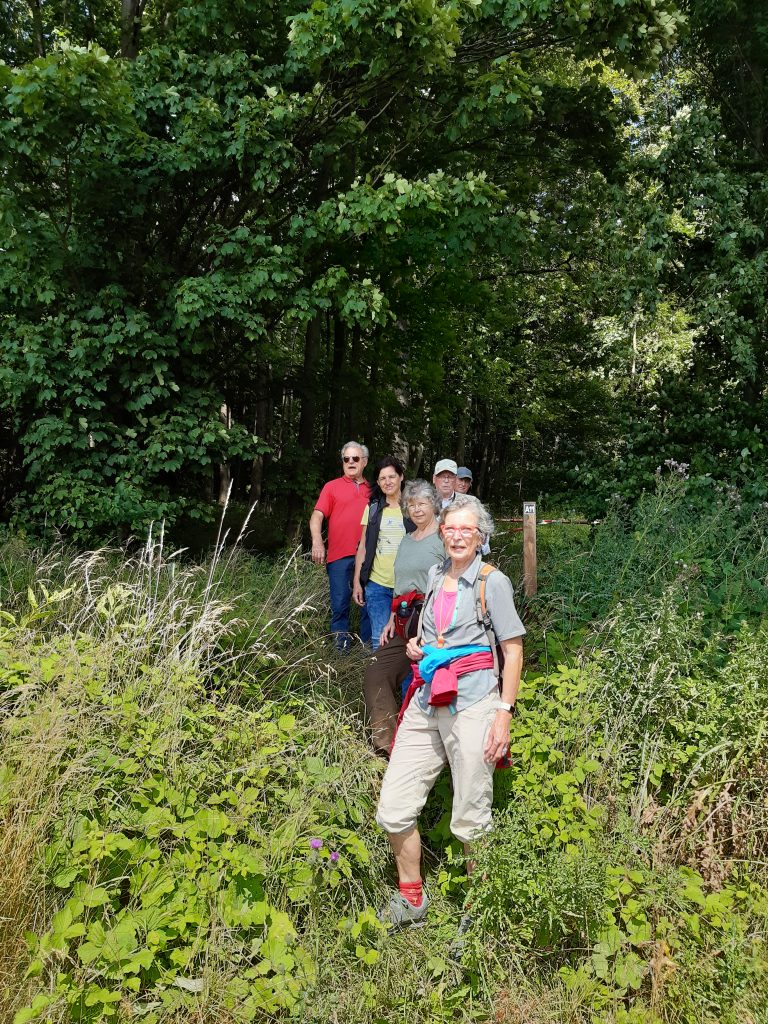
x: 503, y: 706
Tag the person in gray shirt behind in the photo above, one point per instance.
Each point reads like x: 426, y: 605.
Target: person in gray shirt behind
x: 418, y: 552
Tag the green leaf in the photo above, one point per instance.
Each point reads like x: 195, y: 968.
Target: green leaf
x: 212, y: 821
x: 89, y: 895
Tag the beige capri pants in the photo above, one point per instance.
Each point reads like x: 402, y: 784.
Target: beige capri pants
x: 424, y: 744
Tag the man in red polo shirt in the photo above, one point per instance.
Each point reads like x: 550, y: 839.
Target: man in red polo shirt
x: 341, y: 503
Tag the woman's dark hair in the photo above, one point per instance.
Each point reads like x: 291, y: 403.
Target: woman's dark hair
x: 377, y: 494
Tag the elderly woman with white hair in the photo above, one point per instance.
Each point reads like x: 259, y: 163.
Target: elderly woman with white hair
x: 459, y: 708
x: 390, y: 665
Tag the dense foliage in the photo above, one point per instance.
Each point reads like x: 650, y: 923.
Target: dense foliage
x: 186, y: 795
x: 235, y: 235
x: 691, y: 243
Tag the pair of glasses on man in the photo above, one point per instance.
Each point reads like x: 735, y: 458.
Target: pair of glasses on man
x: 464, y: 531
x: 351, y: 458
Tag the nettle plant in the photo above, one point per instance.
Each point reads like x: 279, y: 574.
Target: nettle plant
x: 533, y: 885
x: 197, y: 848
x: 588, y: 893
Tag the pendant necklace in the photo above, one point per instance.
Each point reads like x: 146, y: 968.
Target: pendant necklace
x: 449, y: 623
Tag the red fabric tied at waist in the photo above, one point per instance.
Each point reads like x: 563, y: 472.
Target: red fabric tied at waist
x: 445, y: 682
x: 457, y: 668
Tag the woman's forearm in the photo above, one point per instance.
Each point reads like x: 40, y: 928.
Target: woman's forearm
x: 513, y: 668
x: 359, y: 559
x: 358, y: 595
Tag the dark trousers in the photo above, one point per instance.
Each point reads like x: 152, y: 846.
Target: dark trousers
x: 382, y: 688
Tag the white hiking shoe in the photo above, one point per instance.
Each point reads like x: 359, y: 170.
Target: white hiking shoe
x: 400, y: 913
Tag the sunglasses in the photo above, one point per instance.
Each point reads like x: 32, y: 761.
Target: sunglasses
x: 351, y: 458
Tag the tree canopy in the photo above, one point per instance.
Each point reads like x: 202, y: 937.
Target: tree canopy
x: 525, y: 233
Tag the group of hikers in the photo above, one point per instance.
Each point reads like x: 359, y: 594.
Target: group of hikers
x: 441, y: 684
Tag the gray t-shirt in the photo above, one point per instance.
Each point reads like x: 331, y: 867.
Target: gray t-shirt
x: 414, y: 560
x: 465, y: 629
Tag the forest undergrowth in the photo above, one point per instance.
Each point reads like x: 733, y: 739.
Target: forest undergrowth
x: 187, y: 792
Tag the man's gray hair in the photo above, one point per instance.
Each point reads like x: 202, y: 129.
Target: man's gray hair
x: 420, y: 490
x: 354, y: 444
x: 472, y: 504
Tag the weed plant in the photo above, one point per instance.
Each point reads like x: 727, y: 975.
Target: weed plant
x: 187, y: 793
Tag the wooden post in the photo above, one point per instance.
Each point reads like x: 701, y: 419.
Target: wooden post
x: 529, y: 548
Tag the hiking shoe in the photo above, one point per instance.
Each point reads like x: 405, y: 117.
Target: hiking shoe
x: 456, y: 948
x: 400, y: 913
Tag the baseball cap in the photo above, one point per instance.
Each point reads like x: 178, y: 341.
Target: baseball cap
x: 445, y: 466
x: 463, y: 473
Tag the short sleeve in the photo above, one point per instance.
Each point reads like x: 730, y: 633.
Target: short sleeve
x: 500, y: 599
x: 364, y: 520
x: 326, y: 501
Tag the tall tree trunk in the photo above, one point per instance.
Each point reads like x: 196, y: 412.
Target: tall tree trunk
x: 306, y: 435
x: 308, y: 387
x: 758, y: 126
x: 461, y: 440
x: 333, y: 437
x: 495, y: 477
x: 130, y: 27
x: 482, y: 469
x: 372, y: 402
x: 417, y: 454
x: 37, y: 27
x: 352, y: 392
x: 522, y: 468
x: 225, y: 472
x: 262, y: 427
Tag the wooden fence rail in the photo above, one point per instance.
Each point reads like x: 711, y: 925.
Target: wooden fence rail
x: 528, y: 530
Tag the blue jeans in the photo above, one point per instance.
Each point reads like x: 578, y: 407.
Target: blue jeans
x: 340, y: 575
x: 378, y: 601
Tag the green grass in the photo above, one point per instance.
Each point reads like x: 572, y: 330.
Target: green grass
x: 174, y: 734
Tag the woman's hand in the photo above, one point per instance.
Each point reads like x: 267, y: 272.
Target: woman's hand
x: 389, y: 630
x: 497, y: 743
x: 414, y: 651
x: 357, y: 593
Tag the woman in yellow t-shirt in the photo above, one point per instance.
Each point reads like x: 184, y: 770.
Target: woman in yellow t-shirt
x: 383, y: 527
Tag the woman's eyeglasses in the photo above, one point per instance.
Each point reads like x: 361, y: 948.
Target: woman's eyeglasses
x: 465, y: 531
x: 351, y: 458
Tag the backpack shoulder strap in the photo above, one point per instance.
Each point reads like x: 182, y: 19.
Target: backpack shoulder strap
x: 427, y: 596
x: 481, y: 609
x: 485, y: 572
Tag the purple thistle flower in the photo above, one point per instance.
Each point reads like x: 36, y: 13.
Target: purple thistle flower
x: 334, y: 856
x: 316, y: 844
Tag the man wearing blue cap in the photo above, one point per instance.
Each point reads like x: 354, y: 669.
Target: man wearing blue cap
x: 462, y: 485
x: 463, y: 480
